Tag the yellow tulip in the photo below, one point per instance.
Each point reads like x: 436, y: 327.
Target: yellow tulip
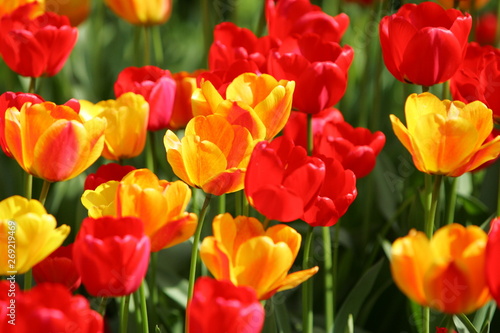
x: 258, y: 102
x: 244, y: 253
x: 444, y: 137
x: 142, y: 12
x: 212, y: 155
x: 127, y: 117
x: 158, y: 203
x: 27, y: 234
x: 8, y: 6
x: 51, y: 141
x: 445, y: 273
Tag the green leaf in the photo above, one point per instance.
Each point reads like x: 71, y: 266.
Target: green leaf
x: 357, y: 297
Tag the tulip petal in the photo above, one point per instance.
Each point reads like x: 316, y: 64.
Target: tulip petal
x: 217, y: 260
x: 174, y: 232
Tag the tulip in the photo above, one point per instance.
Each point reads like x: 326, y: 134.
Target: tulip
x: 76, y: 10
x: 105, y: 173
x: 355, y: 148
x: 58, y: 267
x: 220, y: 306
x: 464, y: 4
x: 281, y: 180
x: 127, y: 119
x: 288, y: 17
x: 7, y: 7
x: 142, y: 12
x: 36, y: 46
x: 28, y: 234
x: 232, y: 43
x: 444, y: 137
x: 156, y: 86
x: 111, y: 255
x: 158, y: 203
x: 45, y: 132
x: 182, y: 112
x: 240, y: 247
x: 11, y: 99
x: 478, y: 77
x: 48, y: 307
x: 424, y: 44
x: 492, y: 254
x: 260, y: 103
x: 486, y: 29
x: 444, y: 273
x: 213, y: 154
x: 318, y: 67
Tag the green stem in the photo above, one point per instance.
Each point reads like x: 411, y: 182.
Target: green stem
x: 222, y: 203
x: 44, y: 192
x: 307, y: 295
x: 28, y: 185
x: 196, y: 241
x: 144, y: 308
x: 157, y: 45
x: 237, y: 203
x: 432, y: 201
x: 451, y: 201
x: 335, y: 265
x: 245, y: 207
x: 153, y: 288
x: 497, y: 36
x: 102, y: 306
x: 147, y: 51
x: 328, y: 263
x: 207, y: 26
x: 32, y: 86
x: 465, y: 320
x: 426, y: 316
x: 150, y: 147
x: 261, y: 25
x: 124, y: 310
x: 28, y: 278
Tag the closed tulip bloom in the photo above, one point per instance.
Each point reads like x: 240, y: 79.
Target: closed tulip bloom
x: 49, y: 307
x: 58, y: 267
x: 127, y: 121
x: 142, y: 12
x: 259, y: 102
x: 76, y: 10
x: 11, y: 99
x: 318, y: 67
x: 281, y: 180
x: 444, y: 137
x: 35, y: 234
x: 213, y: 154
x: 44, y: 132
x: 478, y: 77
x: 424, y: 44
x: 36, y: 46
x: 444, y: 273
x: 492, y: 255
x: 157, y: 87
x: 289, y: 17
x: 240, y: 247
x: 161, y: 205
x: 220, y: 306
x: 105, y: 173
x: 112, y: 255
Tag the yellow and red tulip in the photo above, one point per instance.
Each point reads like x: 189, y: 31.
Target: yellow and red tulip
x: 142, y: 12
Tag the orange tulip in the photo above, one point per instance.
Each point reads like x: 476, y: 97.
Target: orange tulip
x: 182, y: 112
x: 444, y: 137
x: 51, y: 141
x: 76, y: 10
x: 160, y: 204
x: 127, y: 117
x: 7, y: 7
x: 142, y: 12
x: 464, y: 4
x: 244, y: 253
x: 445, y: 273
x: 260, y: 103
x: 212, y: 155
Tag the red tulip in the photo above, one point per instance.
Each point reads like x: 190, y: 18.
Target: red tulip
x: 486, y: 29
x: 233, y: 43
x: 492, y: 255
x: 281, y: 181
x: 111, y: 255
x: 11, y: 99
x: 220, y: 306
x: 38, y: 46
x: 105, y: 173
x: 58, y: 267
x: 288, y: 17
x: 319, y: 69
x: 424, y: 44
x: 336, y: 194
x: 355, y: 148
x: 478, y: 78
x: 47, y: 307
x: 156, y: 86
